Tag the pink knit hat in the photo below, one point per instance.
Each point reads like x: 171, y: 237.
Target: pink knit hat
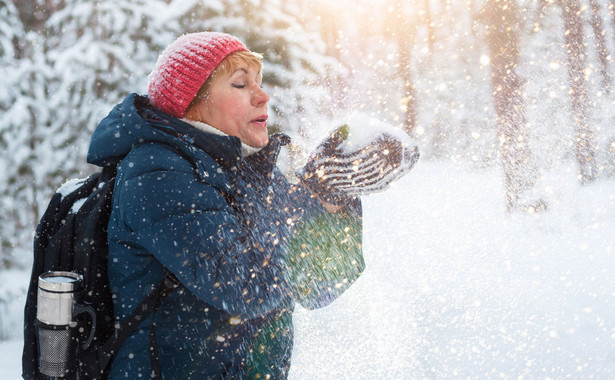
x: 184, y: 66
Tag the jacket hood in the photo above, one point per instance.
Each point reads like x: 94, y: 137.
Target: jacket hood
x: 135, y: 121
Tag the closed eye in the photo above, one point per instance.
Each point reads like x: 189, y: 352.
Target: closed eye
x: 238, y: 85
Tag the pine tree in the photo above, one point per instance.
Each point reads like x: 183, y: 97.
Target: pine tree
x: 89, y: 55
x: 101, y: 51
x: 18, y: 91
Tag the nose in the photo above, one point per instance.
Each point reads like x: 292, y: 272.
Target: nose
x: 259, y: 96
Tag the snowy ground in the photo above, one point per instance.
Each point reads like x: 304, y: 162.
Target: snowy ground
x: 456, y: 288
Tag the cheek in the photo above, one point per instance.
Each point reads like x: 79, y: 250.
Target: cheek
x: 232, y: 107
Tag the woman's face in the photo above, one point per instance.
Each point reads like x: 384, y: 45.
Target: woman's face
x: 236, y: 105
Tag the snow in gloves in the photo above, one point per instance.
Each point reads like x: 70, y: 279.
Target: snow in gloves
x: 198, y: 192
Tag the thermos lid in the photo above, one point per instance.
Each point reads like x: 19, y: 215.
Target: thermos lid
x: 59, y: 281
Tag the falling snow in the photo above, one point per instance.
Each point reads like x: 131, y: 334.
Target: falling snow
x: 455, y: 286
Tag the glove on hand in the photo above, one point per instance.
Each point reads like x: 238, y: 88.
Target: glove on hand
x: 342, y: 167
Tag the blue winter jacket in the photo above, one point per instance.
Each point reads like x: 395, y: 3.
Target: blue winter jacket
x: 244, y: 242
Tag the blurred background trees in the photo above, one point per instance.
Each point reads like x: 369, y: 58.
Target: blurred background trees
x: 523, y: 84
x: 502, y: 28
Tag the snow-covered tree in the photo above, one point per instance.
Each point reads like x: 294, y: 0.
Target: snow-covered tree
x: 100, y: 51
x: 502, y: 38
x: 16, y: 90
x: 599, y: 36
x: 89, y: 55
x: 579, y: 100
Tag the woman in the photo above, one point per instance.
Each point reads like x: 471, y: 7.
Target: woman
x: 198, y: 193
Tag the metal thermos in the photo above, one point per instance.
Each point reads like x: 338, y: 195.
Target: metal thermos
x: 57, y: 306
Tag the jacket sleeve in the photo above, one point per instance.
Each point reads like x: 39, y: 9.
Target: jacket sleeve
x: 324, y: 254
x: 188, y: 226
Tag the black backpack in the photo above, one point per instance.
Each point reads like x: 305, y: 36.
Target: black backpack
x: 72, y: 236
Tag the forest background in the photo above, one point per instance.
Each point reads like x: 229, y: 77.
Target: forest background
x: 521, y: 85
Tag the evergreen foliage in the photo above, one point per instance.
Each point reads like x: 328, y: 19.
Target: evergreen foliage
x: 60, y: 81
x: 18, y: 91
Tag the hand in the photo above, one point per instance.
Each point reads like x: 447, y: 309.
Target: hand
x: 341, y: 168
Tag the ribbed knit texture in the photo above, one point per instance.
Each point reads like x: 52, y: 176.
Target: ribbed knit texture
x: 339, y: 170
x: 184, y: 66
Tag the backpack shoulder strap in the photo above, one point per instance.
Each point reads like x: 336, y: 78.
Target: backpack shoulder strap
x: 149, y: 305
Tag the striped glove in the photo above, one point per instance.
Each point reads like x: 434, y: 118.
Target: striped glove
x: 344, y: 166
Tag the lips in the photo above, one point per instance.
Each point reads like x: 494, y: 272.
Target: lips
x: 261, y: 121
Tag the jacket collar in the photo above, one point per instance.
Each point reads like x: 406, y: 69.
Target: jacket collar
x: 226, y: 150
x: 246, y: 150
x: 261, y: 159
x: 265, y: 160
x: 125, y: 127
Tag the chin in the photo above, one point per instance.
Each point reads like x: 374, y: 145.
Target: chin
x: 255, y: 140
x: 261, y: 143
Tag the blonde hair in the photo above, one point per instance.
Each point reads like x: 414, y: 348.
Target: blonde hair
x: 229, y: 64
